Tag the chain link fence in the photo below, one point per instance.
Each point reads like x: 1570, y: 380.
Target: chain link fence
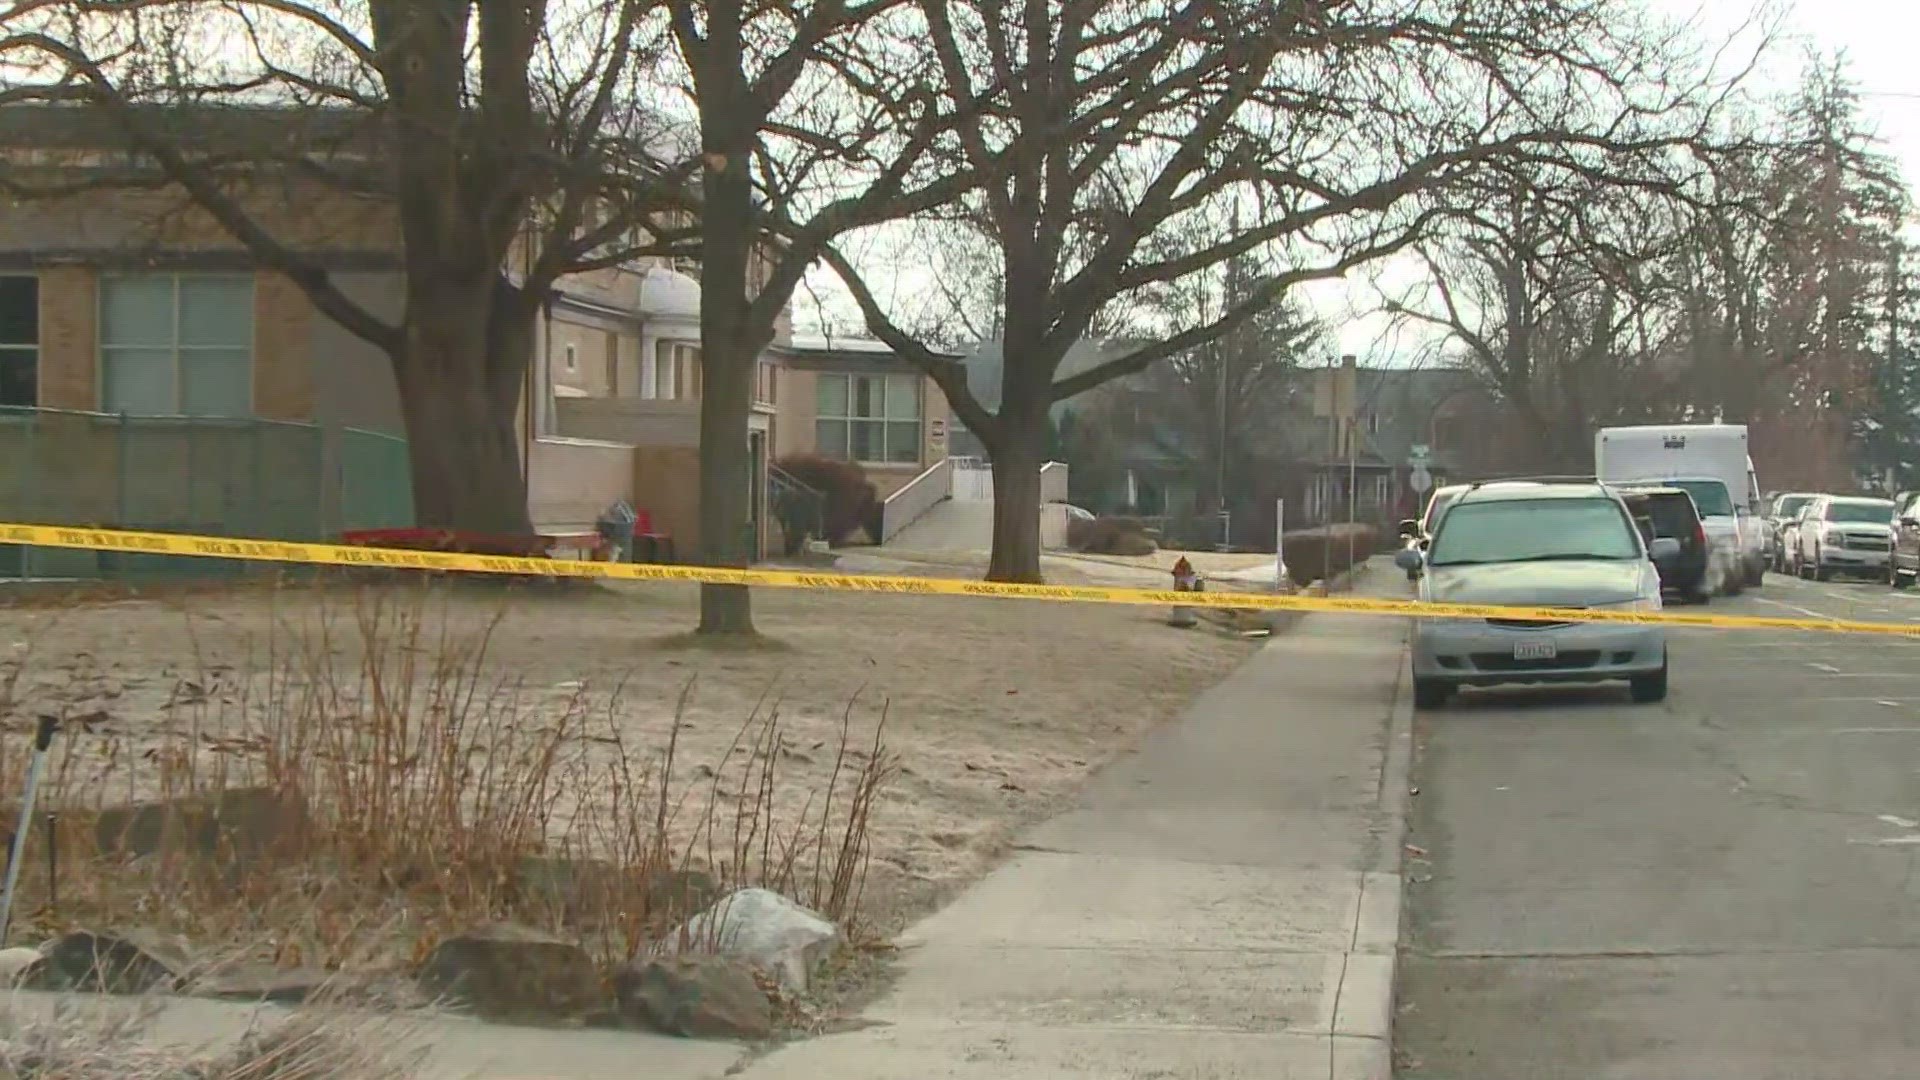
x: 223, y: 477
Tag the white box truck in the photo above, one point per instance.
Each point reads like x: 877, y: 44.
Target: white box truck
x: 1711, y: 462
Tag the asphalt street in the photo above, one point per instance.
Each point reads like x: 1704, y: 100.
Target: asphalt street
x: 1721, y: 886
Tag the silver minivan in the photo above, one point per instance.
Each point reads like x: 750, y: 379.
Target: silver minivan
x: 1561, y: 545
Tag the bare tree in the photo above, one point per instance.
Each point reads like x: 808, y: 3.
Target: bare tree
x: 1121, y: 135
x: 1216, y: 408
x: 814, y: 120
x: 1784, y: 275
x: 493, y: 127
x: 1552, y: 293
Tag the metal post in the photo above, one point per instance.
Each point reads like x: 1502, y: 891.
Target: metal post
x: 1279, y: 545
x: 42, y: 739
x: 1353, y: 495
x: 120, y: 472
x: 34, y: 511
x: 259, y: 525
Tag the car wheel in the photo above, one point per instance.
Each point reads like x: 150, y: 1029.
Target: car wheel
x: 1821, y: 572
x: 1693, y: 594
x: 1430, y: 694
x: 1757, y: 574
x: 1648, y: 689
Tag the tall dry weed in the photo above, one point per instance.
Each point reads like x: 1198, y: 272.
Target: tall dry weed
x: 439, y: 790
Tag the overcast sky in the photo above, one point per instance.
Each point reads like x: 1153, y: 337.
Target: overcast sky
x: 1879, y: 39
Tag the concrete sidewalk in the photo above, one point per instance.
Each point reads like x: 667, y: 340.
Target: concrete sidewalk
x: 1224, y: 903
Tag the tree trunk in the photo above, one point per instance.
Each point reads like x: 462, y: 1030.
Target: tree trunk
x: 462, y: 441
x: 730, y: 352
x: 1016, y: 496
x: 725, y: 479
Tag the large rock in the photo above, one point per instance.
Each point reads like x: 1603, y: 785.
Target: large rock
x: 17, y: 965
x: 697, y: 997
x: 241, y: 822
x: 120, y: 962
x: 514, y: 973
x: 766, y: 930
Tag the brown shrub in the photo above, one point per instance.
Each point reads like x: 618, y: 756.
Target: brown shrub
x: 1313, y: 554
x: 851, y: 498
x: 1109, y: 536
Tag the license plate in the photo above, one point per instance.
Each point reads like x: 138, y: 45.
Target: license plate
x: 1535, y: 650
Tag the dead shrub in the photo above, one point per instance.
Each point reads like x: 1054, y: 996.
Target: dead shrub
x: 851, y: 498
x: 1315, y: 553
x: 1110, y: 536
x: 435, y: 793
x: 88, y: 1043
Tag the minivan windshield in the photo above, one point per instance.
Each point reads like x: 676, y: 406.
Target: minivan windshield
x: 1790, y: 505
x: 1865, y: 510
x: 1531, y: 530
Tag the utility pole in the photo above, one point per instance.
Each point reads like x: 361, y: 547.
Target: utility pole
x: 1891, y: 476
x: 1220, y: 464
x: 1222, y: 354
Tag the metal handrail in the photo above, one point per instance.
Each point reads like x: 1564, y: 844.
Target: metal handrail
x: 782, y: 476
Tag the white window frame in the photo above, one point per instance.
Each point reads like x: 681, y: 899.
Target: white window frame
x: 918, y: 419
x: 765, y: 384
x: 102, y: 348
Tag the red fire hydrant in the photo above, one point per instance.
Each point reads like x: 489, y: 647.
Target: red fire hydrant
x: 1184, y: 580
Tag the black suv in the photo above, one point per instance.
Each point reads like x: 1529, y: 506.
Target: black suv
x: 1670, y: 512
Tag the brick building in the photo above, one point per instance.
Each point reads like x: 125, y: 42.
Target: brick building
x: 121, y: 298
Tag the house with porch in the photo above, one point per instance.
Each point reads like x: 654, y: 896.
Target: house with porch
x: 1364, y: 426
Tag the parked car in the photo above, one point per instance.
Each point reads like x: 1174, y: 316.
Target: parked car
x: 1782, y: 511
x: 1419, y: 532
x: 1844, y: 533
x: 1571, y: 545
x: 1670, y: 513
x: 1903, y: 561
x: 1726, y: 571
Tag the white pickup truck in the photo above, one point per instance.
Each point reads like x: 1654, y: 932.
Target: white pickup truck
x: 1712, y: 463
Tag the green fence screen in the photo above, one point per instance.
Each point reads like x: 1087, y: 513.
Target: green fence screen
x: 223, y: 477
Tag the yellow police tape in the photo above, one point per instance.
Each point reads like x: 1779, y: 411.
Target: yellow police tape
x: 283, y: 551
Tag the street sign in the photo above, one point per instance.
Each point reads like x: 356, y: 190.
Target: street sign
x: 1417, y: 453
x: 1421, y: 480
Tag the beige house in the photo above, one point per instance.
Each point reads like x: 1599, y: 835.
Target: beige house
x: 126, y: 301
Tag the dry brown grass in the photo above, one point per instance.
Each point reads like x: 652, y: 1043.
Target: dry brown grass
x: 117, y: 1044
x: 994, y: 713
x: 439, y: 793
